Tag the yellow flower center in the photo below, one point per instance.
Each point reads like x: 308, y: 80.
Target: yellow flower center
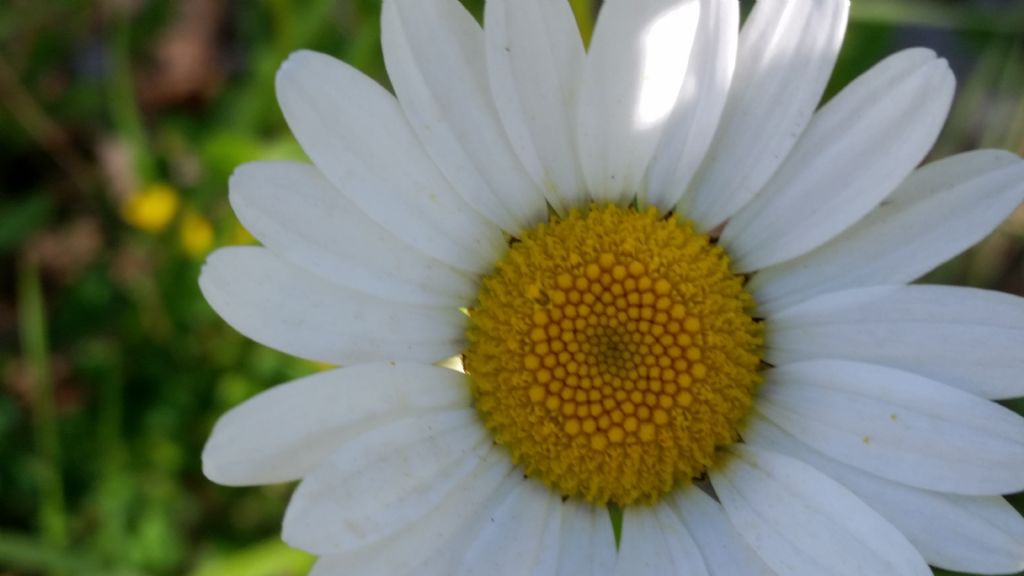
x: 612, y: 353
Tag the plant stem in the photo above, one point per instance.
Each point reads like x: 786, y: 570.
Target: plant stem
x: 32, y: 325
x: 124, y: 107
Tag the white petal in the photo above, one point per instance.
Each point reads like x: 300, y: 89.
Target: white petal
x: 655, y: 541
x: 333, y: 566
x: 509, y: 539
x: 295, y: 311
x: 725, y: 552
x: 297, y: 213
x: 510, y: 536
x: 535, y: 60
x: 938, y: 212
x: 787, y: 49
x: 380, y: 482
x: 804, y: 524
x: 898, y: 425
x: 855, y: 152
x: 355, y: 133
x: 691, y: 127
x: 968, y: 338
x: 329, y: 566
x: 436, y: 59
x: 977, y: 534
x: 418, y: 544
x: 588, y: 543
x: 282, y: 433
x: 631, y: 79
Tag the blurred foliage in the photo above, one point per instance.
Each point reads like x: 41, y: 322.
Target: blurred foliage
x: 120, y: 122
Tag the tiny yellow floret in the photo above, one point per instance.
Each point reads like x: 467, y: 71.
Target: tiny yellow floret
x: 613, y: 353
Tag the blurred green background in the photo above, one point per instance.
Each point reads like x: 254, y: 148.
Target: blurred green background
x: 120, y: 122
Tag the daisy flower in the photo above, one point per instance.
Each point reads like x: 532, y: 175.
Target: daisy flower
x: 652, y: 280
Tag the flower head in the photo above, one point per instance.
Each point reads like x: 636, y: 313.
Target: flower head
x: 673, y: 283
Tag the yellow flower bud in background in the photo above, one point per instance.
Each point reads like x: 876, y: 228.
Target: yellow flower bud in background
x: 152, y: 208
x: 196, y: 234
